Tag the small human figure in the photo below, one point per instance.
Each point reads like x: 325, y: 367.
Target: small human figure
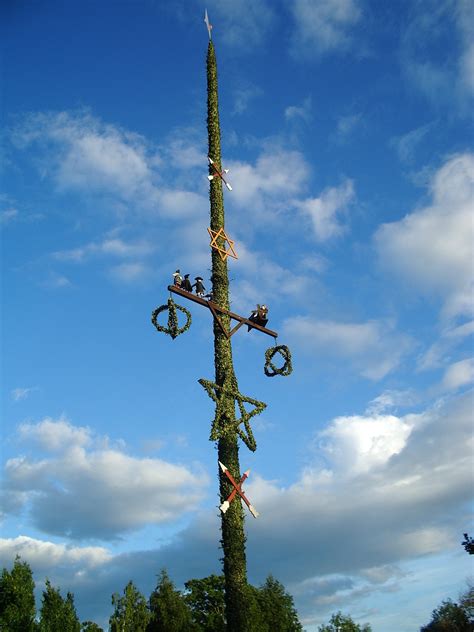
x: 186, y: 284
x: 200, y: 289
x: 177, y: 278
x: 259, y: 316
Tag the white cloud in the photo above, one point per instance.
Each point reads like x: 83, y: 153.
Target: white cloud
x: 270, y: 182
x: 431, y: 248
x: 302, y: 112
x: 55, y: 435
x: 382, y: 475
x: 358, y: 444
x: 45, y: 556
x: 8, y: 215
x: 243, y: 96
x: 63, y: 492
x: 439, y: 352
x: 450, y: 83
x: 323, y: 26
x: 241, y: 25
x: 20, y: 393
x: 459, y: 374
x: 346, y: 126
x: 407, y: 144
x: 325, y: 210
x: 374, y: 347
x: 110, y: 246
x: 130, y: 272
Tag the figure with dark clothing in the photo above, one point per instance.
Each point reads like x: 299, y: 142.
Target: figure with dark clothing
x: 200, y: 289
x: 186, y: 284
x: 259, y: 316
x: 177, y: 278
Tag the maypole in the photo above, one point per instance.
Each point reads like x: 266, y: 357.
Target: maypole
x: 227, y: 427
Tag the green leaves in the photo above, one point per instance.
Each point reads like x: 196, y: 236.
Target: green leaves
x: 172, y: 329
x: 226, y: 422
x: 131, y: 612
x: 17, y: 601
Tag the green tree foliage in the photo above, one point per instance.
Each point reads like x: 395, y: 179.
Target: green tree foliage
x: 277, y: 608
x: 17, y: 601
x: 131, y: 612
x: 168, y: 609
x: 449, y: 617
x: 205, y: 598
x: 468, y: 544
x: 343, y: 623
x: 58, y: 614
x: 90, y: 626
x: 466, y: 601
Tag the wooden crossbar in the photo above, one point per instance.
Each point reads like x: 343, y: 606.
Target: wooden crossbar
x: 215, y: 309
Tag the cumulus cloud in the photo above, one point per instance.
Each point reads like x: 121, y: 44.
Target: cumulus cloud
x: 269, y: 183
x: 80, y: 152
x: 459, y: 374
x: 431, y: 247
x: 326, y: 210
x: 323, y: 27
x: 373, y: 347
x: 382, y: 475
x: 379, y: 491
x: 63, y: 491
x: 44, y: 556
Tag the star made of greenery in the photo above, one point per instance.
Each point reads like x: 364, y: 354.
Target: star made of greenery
x: 223, y: 252
x: 222, y: 424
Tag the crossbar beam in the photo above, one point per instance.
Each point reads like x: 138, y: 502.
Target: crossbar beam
x: 215, y: 309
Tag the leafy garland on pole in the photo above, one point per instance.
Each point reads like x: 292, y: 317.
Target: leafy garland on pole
x: 172, y: 329
x: 270, y: 369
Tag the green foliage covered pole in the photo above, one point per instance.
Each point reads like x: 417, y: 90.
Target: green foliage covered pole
x: 233, y: 536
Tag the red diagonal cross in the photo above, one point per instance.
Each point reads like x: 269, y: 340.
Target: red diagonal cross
x: 237, y: 490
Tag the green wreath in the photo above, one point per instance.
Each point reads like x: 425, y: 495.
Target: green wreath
x: 270, y: 369
x: 172, y: 329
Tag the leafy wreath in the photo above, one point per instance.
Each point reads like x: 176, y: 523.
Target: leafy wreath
x: 270, y: 369
x: 172, y: 329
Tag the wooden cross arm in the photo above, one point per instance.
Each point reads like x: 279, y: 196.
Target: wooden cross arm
x: 215, y: 308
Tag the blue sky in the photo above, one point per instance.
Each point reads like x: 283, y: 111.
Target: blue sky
x: 347, y: 130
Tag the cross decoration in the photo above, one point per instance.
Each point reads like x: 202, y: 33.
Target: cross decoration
x: 237, y: 490
x: 223, y: 252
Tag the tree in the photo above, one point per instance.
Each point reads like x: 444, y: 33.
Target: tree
x: 58, y: 614
x: 343, y: 623
x: 131, y: 613
x: 169, y: 611
x: 205, y: 599
x: 277, y: 607
x: 468, y: 544
x: 17, y: 601
x: 449, y: 617
x: 90, y: 626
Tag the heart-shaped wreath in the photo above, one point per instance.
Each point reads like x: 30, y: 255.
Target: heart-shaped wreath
x: 270, y: 369
x: 172, y: 330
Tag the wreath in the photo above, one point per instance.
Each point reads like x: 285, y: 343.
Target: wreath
x: 172, y: 329
x: 270, y: 369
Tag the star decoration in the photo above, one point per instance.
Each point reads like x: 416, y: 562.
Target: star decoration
x: 223, y: 252
x: 222, y: 425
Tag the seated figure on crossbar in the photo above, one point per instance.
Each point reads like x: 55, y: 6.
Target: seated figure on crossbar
x: 259, y: 316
